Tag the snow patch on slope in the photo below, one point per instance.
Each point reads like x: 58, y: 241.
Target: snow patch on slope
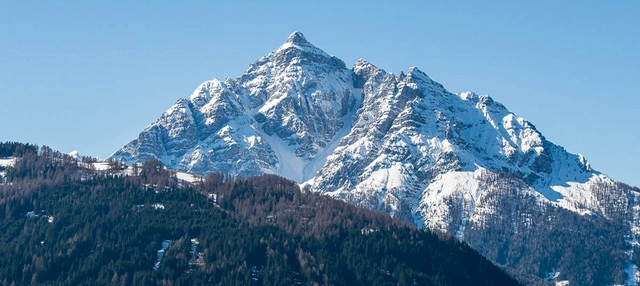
x: 289, y: 165
x: 452, y: 184
x: 579, y: 197
x: 7, y: 162
x: 296, y: 168
x: 189, y: 178
x: 312, y: 167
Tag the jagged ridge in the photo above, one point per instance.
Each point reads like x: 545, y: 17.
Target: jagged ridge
x: 399, y: 143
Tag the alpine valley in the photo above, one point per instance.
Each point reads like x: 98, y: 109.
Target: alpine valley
x: 403, y: 144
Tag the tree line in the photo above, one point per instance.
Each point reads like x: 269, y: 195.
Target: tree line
x: 70, y: 225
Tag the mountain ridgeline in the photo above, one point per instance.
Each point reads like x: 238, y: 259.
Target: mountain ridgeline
x: 403, y: 144
x: 66, y: 222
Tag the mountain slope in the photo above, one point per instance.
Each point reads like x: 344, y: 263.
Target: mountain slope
x: 278, y: 117
x: 403, y: 144
x: 65, y: 223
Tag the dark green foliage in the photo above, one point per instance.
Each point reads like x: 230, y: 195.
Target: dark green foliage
x: 363, y: 247
x: 89, y: 228
x: 16, y: 149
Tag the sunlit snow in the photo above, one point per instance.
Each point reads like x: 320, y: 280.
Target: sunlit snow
x: 7, y: 162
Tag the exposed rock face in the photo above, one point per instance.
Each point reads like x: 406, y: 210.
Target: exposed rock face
x: 403, y: 144
x: 288, y: 106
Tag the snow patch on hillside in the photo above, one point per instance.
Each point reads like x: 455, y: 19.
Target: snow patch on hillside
x: 7, y: 162
x: 579, y: 197
x: 101, y: 166
x: 189, y: 178
x: 289, y: 165
x: 312, y: 167
x: 465, y: 185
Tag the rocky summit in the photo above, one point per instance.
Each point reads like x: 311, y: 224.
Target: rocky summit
x: 403, y: 144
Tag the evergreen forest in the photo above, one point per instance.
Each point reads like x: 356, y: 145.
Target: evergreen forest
x: 65, y: 223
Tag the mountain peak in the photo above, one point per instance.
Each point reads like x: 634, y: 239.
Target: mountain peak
x: 399, y: 144
x: 416, y: 70
x: 297, y: 41
x: 415, y: 73
x: 296, y: 38
x: 362, y: 63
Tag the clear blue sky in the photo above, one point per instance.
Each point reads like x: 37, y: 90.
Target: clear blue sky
x: 90, y: 76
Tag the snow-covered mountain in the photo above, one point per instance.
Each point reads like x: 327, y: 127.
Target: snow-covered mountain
x: 403, y: 144
x: 287, y: 110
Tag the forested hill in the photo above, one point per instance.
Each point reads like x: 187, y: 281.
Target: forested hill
x: 65, y: 223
